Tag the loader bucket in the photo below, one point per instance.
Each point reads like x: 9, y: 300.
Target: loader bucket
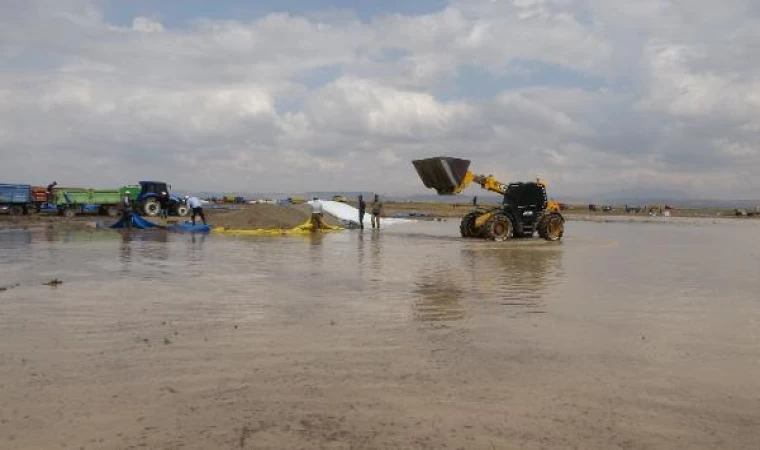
x: 442, y: 173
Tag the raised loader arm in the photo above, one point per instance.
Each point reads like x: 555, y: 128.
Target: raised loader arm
x: 449, y: 176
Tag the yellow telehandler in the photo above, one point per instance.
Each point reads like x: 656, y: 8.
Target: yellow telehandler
x: 525, y: 208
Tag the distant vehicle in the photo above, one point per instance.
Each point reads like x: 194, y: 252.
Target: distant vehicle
x: 68, y: 201
x: 607, y: 208
x: 296, y: 200
x: 593, y: 207
x: 15, y: 198
x: 340, y: 198
x: 149, y: 196
x: 73, y: 201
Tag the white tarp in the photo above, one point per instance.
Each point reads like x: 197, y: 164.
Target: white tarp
x: 348, y: 213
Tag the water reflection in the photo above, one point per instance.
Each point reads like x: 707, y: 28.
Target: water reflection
x: 376, y: 251
x: 153, y: 244
x: 439, y: 296
x: 195, y: 253
x: 516, y: 276
x: 125, y: 250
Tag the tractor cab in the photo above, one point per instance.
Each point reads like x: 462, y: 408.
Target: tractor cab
x: 158, y: 188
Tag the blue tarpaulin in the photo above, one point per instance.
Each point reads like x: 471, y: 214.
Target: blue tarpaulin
x: 189, y: 227
x: 140, y: 223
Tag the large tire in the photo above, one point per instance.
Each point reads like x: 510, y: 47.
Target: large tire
x: 112, y: 211
x: 69, y: 212
x: 467, y: 226
x: 151, y: 207
x: 498, y: 228
x: 551, y: 227
x: 16, y: 210
x: 182, y: 210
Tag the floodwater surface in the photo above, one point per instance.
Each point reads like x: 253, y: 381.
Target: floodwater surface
x: 621, y: 336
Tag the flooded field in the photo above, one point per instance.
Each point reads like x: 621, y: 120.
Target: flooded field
x: 623, y: 336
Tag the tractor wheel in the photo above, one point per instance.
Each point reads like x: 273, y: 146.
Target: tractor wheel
x: 151, y: 207
x: 498, y: 228
x: 69, y: 212
x: 16, y: 210
x: 552, y: 227
x: 467, y: 226
x: 112, y: 211
x: 182, y: 210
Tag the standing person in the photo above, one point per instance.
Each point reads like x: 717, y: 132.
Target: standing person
x: 126, y: 211
x: 317, y: 211
x: 362, y: 211
x: 164, y: 202
x: 195, y: 205
x: 475, y: 201
x: 377, y: 210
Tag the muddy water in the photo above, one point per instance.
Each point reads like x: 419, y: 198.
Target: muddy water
x: 624, y: 335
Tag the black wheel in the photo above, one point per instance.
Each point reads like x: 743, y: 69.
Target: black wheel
x: 112, y: 211
x: 151, y: 207
x: 498, y: 228
x: 69, y: 212
x: 16, y: 210
x: 182, y: 210
x: 551, y: 227
x: 467, y: 226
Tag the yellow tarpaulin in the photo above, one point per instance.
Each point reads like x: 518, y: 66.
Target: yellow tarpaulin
x: 305, y: 228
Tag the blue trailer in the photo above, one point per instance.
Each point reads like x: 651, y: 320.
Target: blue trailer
x: 16, y: 198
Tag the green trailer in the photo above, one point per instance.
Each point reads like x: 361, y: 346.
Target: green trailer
x: 73, y: 201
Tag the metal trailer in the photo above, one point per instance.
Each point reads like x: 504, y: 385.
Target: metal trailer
x: 15, y: 198
x: 72, y: 201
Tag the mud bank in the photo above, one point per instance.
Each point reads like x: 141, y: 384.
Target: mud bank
x: 262, y: 217
x: 248, y: 217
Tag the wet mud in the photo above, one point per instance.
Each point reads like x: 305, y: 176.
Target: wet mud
x: 621, y: 336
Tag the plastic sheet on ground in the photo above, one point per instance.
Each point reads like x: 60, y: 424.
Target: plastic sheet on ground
x: 139, y: 223
x: 350, y: 215
x: 305, y: 228
x: 189, y: 227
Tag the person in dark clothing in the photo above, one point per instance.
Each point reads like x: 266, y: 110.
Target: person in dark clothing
x: 126, y: 211
x: 50, y: 191
x: 362, y: 211
x: 475, y: 201
x: 164, y: 201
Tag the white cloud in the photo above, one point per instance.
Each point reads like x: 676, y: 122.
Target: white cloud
x: 646, y: 93
x: 146, y: 25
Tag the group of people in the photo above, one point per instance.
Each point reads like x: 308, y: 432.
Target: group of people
x: 317, y: 212
x: 377, y: 211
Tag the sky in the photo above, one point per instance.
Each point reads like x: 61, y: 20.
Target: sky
x: 594, y: 96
